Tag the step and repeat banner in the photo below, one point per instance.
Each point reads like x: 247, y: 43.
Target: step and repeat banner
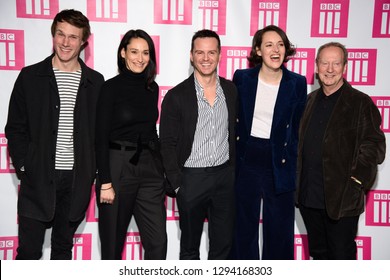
x: 362, y: 25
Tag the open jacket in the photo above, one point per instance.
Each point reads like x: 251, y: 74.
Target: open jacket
x: 353, y: 145
x: 288, y: 110
x: 179, y: 115
x: 31, y: 131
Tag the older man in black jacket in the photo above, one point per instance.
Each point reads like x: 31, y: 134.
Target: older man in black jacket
x: 340, y: 146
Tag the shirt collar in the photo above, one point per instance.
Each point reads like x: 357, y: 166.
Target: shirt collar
x: 199, y: 88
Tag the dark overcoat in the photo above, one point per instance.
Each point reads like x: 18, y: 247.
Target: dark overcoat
x: 31, y: 131
x: 353, y: 145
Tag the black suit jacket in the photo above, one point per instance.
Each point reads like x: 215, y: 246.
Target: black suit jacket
x: 179, y: 115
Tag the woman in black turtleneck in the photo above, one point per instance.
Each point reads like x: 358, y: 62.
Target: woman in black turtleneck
x: 130, y: 172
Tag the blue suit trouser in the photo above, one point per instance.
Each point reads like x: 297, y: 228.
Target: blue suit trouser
x: 255, y: 184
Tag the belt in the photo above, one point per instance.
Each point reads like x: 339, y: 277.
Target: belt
x: 127, y: 147
x: 137, y: 147
x: 209, y: 168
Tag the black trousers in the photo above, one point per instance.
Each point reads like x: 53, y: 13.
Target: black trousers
x: 139, y: 192
x: 206, y: 193
x: 330, y: 239
x: 32, y: 231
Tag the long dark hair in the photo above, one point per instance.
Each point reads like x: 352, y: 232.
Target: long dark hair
x: 151, y: 68
x: 254, y: 59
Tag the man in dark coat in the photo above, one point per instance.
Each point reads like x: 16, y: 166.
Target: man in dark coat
x: 50, y: 131
x: 340, y: 146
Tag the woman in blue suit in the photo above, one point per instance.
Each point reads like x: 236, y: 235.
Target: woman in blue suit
x: 272, y: 100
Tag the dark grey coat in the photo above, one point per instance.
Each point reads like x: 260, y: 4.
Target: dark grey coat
x: 353, y: 145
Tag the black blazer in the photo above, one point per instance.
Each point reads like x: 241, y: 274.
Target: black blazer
x: 179, y: 115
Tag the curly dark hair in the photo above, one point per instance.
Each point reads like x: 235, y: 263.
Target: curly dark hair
x: 255, y: 59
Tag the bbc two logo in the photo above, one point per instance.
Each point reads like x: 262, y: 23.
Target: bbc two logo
x: 301, y: 247
x: 211, y: 14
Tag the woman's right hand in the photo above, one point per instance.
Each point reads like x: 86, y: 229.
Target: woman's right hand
x: 107, y: 193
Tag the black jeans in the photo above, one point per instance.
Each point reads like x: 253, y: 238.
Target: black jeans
x: 32, y: 231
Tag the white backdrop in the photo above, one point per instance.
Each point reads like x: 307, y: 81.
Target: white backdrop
x: 362, y: 25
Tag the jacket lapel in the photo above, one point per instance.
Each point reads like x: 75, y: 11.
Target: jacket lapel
x: 191, y: 103
x: 249, y: 98
x: 282, y: 100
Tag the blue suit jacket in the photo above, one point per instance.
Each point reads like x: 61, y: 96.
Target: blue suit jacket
x: 288, y: 110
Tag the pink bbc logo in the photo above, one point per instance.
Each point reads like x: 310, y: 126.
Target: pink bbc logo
x: 363, y: 244
x: 212, y: 15
x: 266, y: 12
x: 303, y: 63
x: 133, y: 247
x: 173, y: 12
x: 378, y: 208
x: 301, y: 247
x: 82, y: 249
x: 46, y: 9
x: 172, y: 209
x: 91, y: 215
x: 161, y: 95
x: 383, y: 104
x: 381, y: 26
x: 107, y: 10
x: 5, y: 160
x: 87, y: 54
x: 361, y: 68
x: 11, y: 49
x: 330, y: 18
x: 233, y: 58
x: 8, y: 246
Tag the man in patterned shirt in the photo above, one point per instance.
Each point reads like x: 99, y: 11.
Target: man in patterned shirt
x: 198, y: 147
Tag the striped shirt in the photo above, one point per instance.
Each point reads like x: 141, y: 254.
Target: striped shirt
x: 211, y: 145
x: 68, y: 85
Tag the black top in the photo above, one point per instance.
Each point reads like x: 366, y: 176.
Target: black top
x: 126, y: 110
x: 312, y: 183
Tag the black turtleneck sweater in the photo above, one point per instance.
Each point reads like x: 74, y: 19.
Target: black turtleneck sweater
x: 126, y: 110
